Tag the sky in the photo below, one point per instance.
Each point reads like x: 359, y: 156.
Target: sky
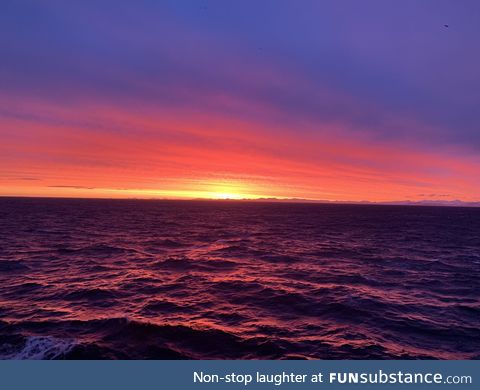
x: 328, y: 100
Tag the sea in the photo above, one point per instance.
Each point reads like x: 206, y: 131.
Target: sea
x: 164, y: 279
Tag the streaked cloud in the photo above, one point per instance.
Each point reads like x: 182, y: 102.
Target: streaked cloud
x: 171, y: 99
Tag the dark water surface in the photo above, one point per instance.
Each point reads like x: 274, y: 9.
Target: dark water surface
x: 183, y: 279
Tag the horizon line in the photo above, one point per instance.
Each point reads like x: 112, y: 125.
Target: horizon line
x: 413, y: 203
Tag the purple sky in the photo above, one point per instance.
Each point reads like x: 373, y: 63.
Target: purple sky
x: 369, y: 76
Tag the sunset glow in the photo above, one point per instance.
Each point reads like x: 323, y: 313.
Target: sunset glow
x: 175, y: 102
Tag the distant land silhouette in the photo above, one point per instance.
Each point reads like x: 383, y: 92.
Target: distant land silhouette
x: 443, y: 203
x: 447, y: 203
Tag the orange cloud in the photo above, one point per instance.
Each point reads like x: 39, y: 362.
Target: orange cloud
x: 102, y: 151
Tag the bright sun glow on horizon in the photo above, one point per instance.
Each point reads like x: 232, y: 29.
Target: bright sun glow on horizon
x: 224, y: 195
x: 171, y: 101
x: 231, y: 189
x: 180, y: 190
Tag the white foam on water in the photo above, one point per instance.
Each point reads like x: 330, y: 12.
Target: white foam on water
x: 42, y: 348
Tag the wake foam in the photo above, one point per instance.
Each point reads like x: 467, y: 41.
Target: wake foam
x: 42, y: 348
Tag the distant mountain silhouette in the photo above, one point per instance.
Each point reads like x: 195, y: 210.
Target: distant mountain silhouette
x: 448, y: 203
x: 431, y: 202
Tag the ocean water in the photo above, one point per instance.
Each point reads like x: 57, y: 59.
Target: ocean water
x: 132, y: 279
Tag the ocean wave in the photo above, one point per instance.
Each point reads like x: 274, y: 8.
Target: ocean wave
x: 12, y: 266
x: 38, y: 348
x: 237, y: 280
x: 120, y: 338
x: 184, y: 263
x: 92, y: 294
x: 96, y: 250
